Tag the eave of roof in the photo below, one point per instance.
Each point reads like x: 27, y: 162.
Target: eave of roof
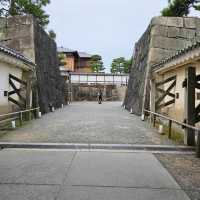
x: 84, y: 55
x: 79, y: 53
x: 176, y: 55
x: 65, y: 50
x: 15, y: 54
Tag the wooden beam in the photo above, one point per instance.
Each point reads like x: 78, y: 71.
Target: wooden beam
x: 197, y: 85
x: 15, y: 102
x: 197, y: 109
x: 16, y: 90
x: 198, y: 77
x: 197, y: 118
x: 17, y: 79
x: 166, y: 104
x: 166, y: 81
x: 163, y: 91
x: 190, y: 105
x: 166, y: 93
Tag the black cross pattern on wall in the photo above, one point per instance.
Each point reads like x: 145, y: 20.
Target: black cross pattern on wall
x: 165, y: 92
x: 22, y: 101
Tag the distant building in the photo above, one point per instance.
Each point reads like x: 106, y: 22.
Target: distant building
x: 75, y: 61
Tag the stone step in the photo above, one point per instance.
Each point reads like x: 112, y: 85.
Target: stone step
x: 82, y: 146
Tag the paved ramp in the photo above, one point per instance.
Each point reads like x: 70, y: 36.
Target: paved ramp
x: 61, y: 175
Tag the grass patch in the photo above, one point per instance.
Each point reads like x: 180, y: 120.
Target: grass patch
x: 176, y: 135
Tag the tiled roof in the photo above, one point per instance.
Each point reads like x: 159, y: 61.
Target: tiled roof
x: 65, y: 50
x: 177, y: 54
x: 15, y: 54
x: 84, y: 55
x: 80, y: 54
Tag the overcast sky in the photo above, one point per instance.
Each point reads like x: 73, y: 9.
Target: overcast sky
x: 106, y: 27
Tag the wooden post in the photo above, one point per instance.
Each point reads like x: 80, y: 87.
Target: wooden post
x: 198, y: 144
x: 190, y: 105
x: 154, y: 120
x: 28, y: 95
x: 152, y: 100
x: 170, y: 129
x: 20, y: 118
x: 70, y: 96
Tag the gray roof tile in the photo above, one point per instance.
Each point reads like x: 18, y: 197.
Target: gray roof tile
x: 15, y: 54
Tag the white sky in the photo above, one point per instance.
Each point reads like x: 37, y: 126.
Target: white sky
x: 106, y: 27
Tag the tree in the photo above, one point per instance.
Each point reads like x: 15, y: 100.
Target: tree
x: 22, y: 7
x: 179, y: 8
x: 52, y: 34
x: 128, y: 64
x: 121, y: 65
x: 97, y: 63
x: 61, y: 58
x: 118, y: 65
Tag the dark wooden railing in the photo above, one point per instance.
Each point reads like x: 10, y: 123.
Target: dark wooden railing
x: 196, y: 129
x: 19, y: 115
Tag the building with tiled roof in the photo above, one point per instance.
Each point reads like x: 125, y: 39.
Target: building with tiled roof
x: 17, y: 74
x: 172, y: 80
x: 75, y: 61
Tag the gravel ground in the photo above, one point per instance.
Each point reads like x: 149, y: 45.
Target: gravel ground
x: 87, y: 122
x: 186, y: 170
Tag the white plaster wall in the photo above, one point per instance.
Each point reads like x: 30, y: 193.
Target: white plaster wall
x: 5, y: 70
x: 177, y: 110
x: 92, y: 78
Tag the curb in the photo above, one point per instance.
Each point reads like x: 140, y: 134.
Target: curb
x: 79, y: 146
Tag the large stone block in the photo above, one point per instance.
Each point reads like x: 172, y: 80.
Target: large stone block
x: 3, y: 22
x: 168, y: 21
x: 156, y: 55
x: 190, y: 22
x: 18, y: 32
x: 187, y: 33
x: 198, y: 26
x: 20, y: 20
x: 169, y: 43
x: 173, y: 32
x: 159, y: 30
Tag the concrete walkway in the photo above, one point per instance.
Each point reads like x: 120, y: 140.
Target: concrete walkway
x: 83, y: 175
x: 86, y: 122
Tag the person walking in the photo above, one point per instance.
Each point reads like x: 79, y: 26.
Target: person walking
x: 100, y: 96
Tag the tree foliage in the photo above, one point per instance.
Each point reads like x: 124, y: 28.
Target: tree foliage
x: 52, y: 34
x: 61, y: 58
x: 179, y: 8
x: 121, y: 65
x: 97, y: 63
x: 22, y: 7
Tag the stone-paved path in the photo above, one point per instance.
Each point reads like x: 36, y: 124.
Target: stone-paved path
x: 86, y: 122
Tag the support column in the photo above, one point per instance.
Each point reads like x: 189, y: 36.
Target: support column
x: 190, y: 105
x: 153, y: 96
x: 152, y: 99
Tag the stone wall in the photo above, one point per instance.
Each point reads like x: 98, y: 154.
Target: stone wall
x: 163, y: 37
x: 24, y: 34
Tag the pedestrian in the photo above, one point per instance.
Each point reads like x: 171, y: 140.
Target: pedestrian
x: 100, y: 96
